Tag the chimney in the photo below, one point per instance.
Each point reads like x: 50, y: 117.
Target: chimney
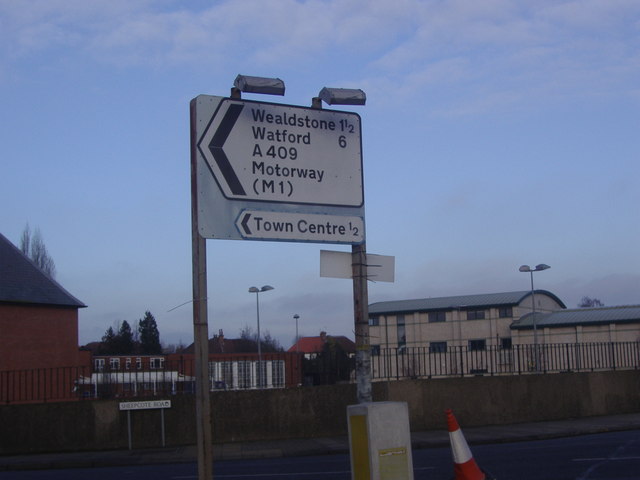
x: 323, y: 337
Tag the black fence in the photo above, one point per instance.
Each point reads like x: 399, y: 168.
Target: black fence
x: 285, y: 370
x: 423, y: 362
x: 41, y: 385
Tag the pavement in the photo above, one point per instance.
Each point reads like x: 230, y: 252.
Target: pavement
x: 319, y: 446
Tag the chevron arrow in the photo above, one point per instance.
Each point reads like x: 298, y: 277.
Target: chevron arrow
x: 216, y: 147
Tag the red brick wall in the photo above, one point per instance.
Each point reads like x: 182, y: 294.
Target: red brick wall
x: 38, y: 337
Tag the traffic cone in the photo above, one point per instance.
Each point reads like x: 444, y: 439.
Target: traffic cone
x: 465, y: 467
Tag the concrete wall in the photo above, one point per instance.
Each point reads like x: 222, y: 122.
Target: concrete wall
x: 318, y: 411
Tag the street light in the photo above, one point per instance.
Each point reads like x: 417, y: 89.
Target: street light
x: 539, y: 268
x: 257, y: 291
x: 339, y: 96
x: 296, y: 317
x: 263, y: 85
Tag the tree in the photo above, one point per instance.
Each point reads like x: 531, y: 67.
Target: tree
x: 149, y: 335
x: 120, y: 343
x: 34, y: 248
x: 588, y: 302
x: 108, y: 341
x: 249, y: 342
x: 124, y: 339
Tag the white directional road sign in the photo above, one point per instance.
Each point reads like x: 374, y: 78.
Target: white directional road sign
x: 265, y: 225
x: 266, y: 171
x: 283, y: 153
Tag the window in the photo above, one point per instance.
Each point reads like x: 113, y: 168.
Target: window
x: 438, y: 347
x: 475, y: 314
x: 277, y: 373
x: 114, y: 363
x: 139, y: 363
x: 505, y: 343
x: 437, y: 317
x: 477, y: 345
x: 156, y: 363
x: 98, y: 364
x: 374, y: 321
x: 402, y: 334
x: 375, y: 350
x: 127, y: 364
x: 505, y: 312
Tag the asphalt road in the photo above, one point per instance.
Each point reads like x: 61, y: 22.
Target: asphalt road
x: 589, y: 457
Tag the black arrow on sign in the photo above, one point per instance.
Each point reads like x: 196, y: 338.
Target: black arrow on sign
x: 216, y: 148
x: 245, y: 222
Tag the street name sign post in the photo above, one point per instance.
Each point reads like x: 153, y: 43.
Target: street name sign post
x: 144, y: 405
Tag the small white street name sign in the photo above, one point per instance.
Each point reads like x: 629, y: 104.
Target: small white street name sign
x: 148, y: 405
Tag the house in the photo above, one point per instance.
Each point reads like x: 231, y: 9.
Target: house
x: 327, y: 359
x: 312, y: 346
x: 39, y: 354
x: 38, y: 317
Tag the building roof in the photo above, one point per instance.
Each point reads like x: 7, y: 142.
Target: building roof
x: 21, y: 281
x: 316, y: 344
x: 484, y: 300
x: 580, y: 316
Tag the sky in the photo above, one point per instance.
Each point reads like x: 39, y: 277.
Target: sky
x: 495, y: 134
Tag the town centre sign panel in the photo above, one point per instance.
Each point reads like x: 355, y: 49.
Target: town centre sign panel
x: 270, y: 171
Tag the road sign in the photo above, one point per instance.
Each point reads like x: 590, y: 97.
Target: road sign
x: 146, y: 405
x: 267, y: 225
x: 379, y: 268
x: 262, y: 157
x: 283, y: 153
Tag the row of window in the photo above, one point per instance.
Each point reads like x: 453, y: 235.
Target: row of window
x: 442, y: 347
x: 441, y: 316
x: 155, y: 363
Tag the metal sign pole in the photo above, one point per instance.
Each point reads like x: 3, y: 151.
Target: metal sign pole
x: 360, y: 310
x: 361, y: 322
x: 200, y: 323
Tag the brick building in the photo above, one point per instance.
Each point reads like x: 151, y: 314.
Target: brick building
x: 38, y: 317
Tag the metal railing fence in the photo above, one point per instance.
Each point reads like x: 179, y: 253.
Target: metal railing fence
x: 170, y: 377
x: 422, y: 362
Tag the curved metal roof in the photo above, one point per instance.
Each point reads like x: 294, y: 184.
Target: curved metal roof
x: 580, y: 316
x: 484, y: 300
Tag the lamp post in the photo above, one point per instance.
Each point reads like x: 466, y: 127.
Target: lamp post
x: 257, y: 291
x: 296, y: 317
x: 539, y: 268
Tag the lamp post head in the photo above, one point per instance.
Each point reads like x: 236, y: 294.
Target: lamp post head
x: 296, y: 316
x: 525, y: 268
x: 342, y: 96
x: 266, y: 288
x: 541, y: 266
x: 264, y: 85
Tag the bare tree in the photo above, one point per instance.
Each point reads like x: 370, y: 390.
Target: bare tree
x: 588, y: 302
x: 33, y: 247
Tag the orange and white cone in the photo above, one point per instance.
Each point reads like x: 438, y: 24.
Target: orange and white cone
x: 465, y: 467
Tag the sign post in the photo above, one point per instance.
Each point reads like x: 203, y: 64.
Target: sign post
x: 265, y: 171
x: 145, y: 405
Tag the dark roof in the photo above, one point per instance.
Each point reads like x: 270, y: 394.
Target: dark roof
x: 21, y: 281
x: 484, y: 300
x: 580, y: 316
